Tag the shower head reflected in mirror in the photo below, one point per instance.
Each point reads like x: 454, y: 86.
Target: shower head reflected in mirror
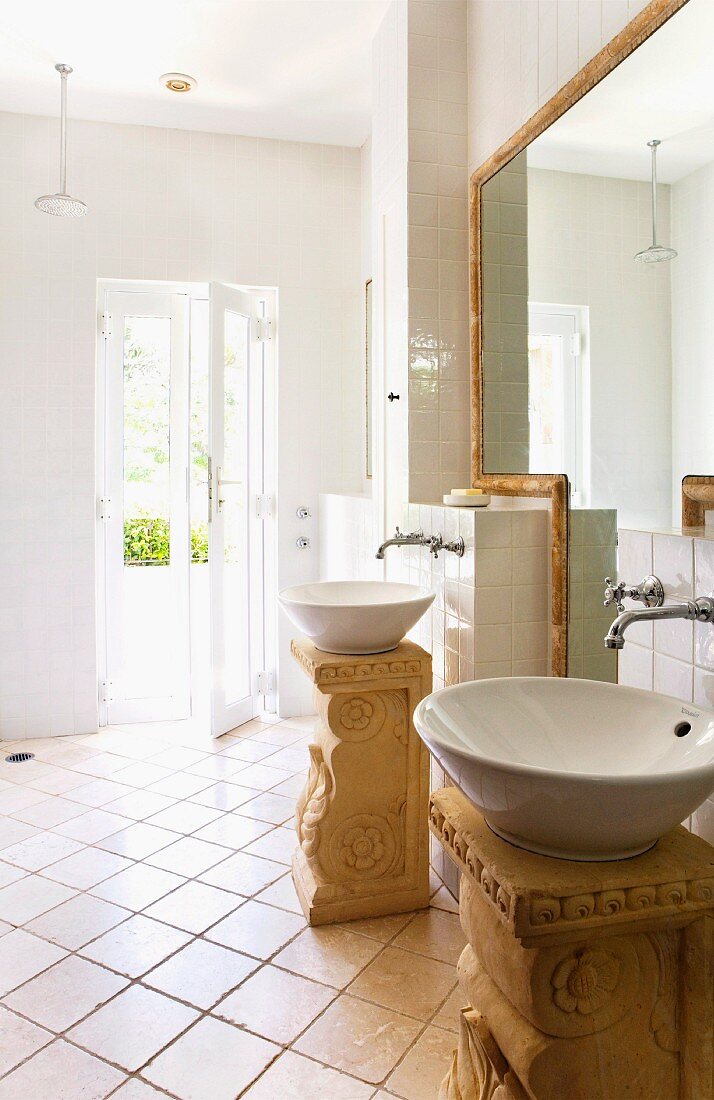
x: 656, y: 253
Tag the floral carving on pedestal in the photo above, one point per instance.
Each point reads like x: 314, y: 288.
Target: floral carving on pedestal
x: 362, y: 848
x: 356, y: 714
x: 366, y: 846
x: 583, y: 982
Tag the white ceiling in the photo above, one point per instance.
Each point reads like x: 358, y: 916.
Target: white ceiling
x: 664, y: 90
x: 292, y: 69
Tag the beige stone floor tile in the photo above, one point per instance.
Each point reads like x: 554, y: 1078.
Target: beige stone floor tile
x: 138, y: 841
x: 280, y: 736
x: 262, y: 777
x: 294, y: 1077
x: 133, y: 1027
x: 139, y: 805
x: 23, y: 956
x: 216, y: 767
x: 102, y: 765
x: 434, y: 933
x: 188, y: 856
x: 244, y: 874
x: 92, y: 826
x: 281, y: 894
x: 61, y: 1072
x: 135, y: 1089
x: 442, y: 899
x: 77, y: 921
x: 201, y: 973
x: 59, y: 781
x: 223, y: 795
x: 450, y: 1012
x: 275, y: 1004
x: 18, y: 1039
x: 5, y: 928
x: 86, y: 868
x: 274, y: 808
x: 233, y: 831
x: 279, y: 844
x: 9, y: 873
x: 13, y: 799
x: 137, y: 945
x: 329, y: 955
x: 180, y: 785
x: 359, y: 1038
x: 40, y: 850
x: 292, y: 787
x: 141, y: 775
x: 99, y: 792
x: 212, y: 1060
x: 411, y: 984
x: 184, y: 817
x: 194, y: 907
x: 293, y: 758
x: 256, y: 929
x: 21, y: 901
x: 138, y: 886
x: 378, y: 928
x: 53, y: 811
x: 176, y: 758
x: 419, y: 1076
x: 249, y: 751
x: 13, y: 833
x: 64, y: 994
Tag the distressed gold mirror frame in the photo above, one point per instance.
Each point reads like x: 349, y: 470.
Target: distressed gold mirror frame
x: 551, y: 486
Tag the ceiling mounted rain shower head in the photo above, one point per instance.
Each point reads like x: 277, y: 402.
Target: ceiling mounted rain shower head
x: 62, y: 205
x: 656, y: 253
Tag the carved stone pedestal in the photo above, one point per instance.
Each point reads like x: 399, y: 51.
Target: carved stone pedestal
x: 585, y: 981
x: 362, y: 820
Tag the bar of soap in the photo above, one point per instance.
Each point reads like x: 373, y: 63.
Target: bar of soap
x: 467, y: 492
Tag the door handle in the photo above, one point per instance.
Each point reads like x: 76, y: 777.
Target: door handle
x: 220, y: 482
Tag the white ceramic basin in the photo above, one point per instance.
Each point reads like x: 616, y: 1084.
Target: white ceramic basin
x: 572, y: 768
x: 355, y: 616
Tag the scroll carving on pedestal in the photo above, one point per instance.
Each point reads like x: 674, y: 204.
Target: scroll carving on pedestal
x: 313, y: 803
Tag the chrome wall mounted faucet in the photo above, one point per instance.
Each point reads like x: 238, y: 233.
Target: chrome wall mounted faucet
x: 418, y: 538
x: 649, y: 592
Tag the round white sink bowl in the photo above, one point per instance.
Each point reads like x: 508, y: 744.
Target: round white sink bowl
x: 355, y: 616
x: 572, y: 768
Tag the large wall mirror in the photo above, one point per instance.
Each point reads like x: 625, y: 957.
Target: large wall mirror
x: 596, y: 297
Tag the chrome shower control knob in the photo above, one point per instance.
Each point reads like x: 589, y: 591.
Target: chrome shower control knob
x: 302, y: 543
x: 302, y: 512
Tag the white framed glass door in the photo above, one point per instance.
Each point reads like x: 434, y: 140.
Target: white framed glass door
x: 144, y: 507
x: 235, y: 531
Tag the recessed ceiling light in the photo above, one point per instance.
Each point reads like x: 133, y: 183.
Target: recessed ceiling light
x: 178, y: 82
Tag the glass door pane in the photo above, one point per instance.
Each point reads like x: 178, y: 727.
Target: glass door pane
x: 235, y: 561
x: 146, y: 533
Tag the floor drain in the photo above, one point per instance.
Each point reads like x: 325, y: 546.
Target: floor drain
x: 19, y: 757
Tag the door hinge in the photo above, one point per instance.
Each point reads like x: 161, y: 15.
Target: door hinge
x: 263, y: 328
x: 104, y: 508
x: 263, y: 506
x: 265, y: 682
x: 105, y: 325
x: 106, y: 691
x: 576, y: 344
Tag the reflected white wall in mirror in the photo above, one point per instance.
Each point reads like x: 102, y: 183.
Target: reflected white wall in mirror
x: 596, y: 365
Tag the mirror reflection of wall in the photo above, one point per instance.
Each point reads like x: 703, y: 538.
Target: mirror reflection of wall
x: 594, y: 364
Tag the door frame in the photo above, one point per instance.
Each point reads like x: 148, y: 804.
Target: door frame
x: 199, y: 290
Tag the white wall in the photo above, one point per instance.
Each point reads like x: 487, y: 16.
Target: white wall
x: 522, y: 51
x: 583, y: 232
x: 692, y: 327
x: 163, y: 204
x: 677, y: 657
